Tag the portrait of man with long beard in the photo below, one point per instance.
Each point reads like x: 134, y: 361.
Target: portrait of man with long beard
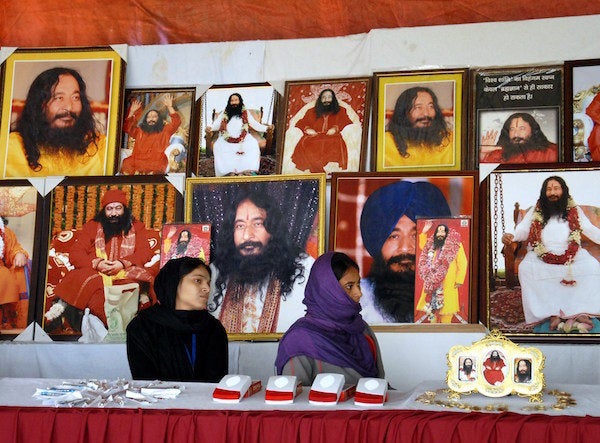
x: 60, y: 113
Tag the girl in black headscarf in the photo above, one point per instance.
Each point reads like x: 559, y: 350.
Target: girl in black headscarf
x: 178, y: 339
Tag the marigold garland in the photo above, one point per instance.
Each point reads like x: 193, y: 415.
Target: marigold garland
x: 81, y: 200
x: 574, y: 238
x: 225, y: 134
x: 70, y: 208
x: 58, y: 216
x: 159, y: 205
x: 168, y: 215
x: 136, y: 201
x: 148, y: 200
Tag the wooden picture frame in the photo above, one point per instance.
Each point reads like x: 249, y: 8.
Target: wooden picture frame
x: 73, y: 243
x: 280, y: 229
x: 582, y: 85
x: 331, y: 142
x: 84, y: 128
x: 22, y: 212
x: 239, y: 156
x: 513, y: 303
x: 434, y: 137
x: 367, y: 216
x: 527, y: 98
x: 169, y: 150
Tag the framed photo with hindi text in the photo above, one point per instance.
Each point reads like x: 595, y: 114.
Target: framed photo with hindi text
x: 419, y: 120
x: 542, y: 233
x: 517, y: 115
x: 159, y: 129
x: 582, y: 110
x: 324, y: 126
x: 374, y: 219
x: 266, y: 233
x: 77, y: 229
x: 74, y: 132
x: 21, y: 218
x: 237, y: 128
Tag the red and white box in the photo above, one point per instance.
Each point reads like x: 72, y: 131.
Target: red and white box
x: 282, y: 389
x: 233, y: 388
x: 371, y: 392
x: 326, y: 389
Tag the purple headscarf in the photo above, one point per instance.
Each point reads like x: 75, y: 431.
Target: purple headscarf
x: 332, y: 329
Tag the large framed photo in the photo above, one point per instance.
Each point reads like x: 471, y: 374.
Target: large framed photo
x: 96, y: 227
x: 60, y: 112
x: 159, y: 127
x: 542, y: 270
x: 21, y: 216
x: 266, y: 233
x: 419, y: 121
x: 375, y: 219
x: 582, y: 110
x: 237, y: 131
x: 325, y: 126
x: 517, y: 114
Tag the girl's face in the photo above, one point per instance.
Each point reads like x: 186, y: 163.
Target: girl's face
x: 193, y: 290
x: 350, y: 281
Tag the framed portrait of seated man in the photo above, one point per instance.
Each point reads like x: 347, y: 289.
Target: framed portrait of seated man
x: 61, y: 111
x: 385, y: 222
x: 266, y: 233
x: 21, y: 221
x: 237, y: 130
x: 159, y: 126
x: 103, y: 247
x: 325, y: 125
x: 542, y: 227
x: 419, y: 121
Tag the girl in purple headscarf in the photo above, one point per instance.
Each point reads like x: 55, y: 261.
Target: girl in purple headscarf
x: 332, y: 336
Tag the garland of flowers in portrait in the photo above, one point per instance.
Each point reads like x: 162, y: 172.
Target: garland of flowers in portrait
x: 574, y: 238
x: 225, y: 134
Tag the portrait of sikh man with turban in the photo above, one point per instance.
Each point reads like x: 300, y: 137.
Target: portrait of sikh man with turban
x: 389, y: 233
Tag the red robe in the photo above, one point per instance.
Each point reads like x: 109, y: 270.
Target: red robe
x: 548, y: 155
x: 83, y: 287
x: 313, y: 152
x: 493, y: 371
x: 593, y: 110
x: 148, y: 155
